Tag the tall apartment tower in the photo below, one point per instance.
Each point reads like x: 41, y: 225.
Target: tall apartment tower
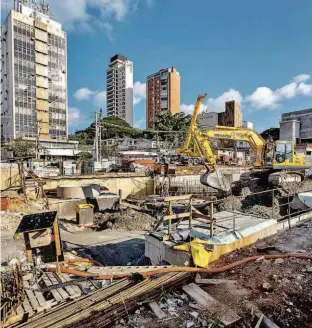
x: 33, y: 75
x: 162, y: 94
x: 119, y: 88
x: 232, y: 115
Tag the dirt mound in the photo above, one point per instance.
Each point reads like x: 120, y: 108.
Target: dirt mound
x: 126, y: 220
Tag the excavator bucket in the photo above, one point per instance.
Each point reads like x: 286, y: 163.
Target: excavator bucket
x: 215, y: 179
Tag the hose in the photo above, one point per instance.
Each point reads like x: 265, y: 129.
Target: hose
x: 182, y: 269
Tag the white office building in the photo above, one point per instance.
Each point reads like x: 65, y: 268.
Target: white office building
x: 119, y: 88
x: 207, y: 120
x: 248, y: 125
x: 33, y: 75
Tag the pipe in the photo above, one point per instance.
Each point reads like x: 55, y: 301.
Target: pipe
x: 182, y: 269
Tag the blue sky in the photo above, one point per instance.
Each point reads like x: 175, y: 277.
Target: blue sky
x: 258, y: 52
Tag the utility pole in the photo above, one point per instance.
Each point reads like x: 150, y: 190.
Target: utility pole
x: 100, y: 134
x: 37, y: 139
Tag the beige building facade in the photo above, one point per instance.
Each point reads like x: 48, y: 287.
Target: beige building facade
x: 162, y: 94
x: 33, y: 75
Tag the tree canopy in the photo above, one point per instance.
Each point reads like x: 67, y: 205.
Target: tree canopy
x: 270, y: 134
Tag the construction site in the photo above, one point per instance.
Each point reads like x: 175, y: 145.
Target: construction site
x: 206, y: 245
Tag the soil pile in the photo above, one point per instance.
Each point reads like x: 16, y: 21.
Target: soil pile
x: 125, y: 220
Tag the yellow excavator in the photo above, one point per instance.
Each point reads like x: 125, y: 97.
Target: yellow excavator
x: 276, y: 160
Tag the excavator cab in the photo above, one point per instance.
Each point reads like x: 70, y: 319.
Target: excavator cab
x: 283, y: 152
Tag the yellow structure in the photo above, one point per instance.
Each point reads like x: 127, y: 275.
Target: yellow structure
x: 269, y: 156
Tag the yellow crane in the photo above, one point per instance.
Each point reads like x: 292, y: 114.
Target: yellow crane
x: 186, y: 149
x: 276, y: 159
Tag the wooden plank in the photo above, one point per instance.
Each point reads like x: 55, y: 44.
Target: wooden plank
x: 226, y: 315
x: 266, y: 322
x: 214, y: 281
x: 31, y: 296
x: 69, y: 289
x: 20, y: 310
x: 160, y: 314
x: 13, y: 320
x: 27, y: 307
x: 126, y: 204
x: 259, y: 321
x: 177, y: 216
x: 41, y: 300
x: 54, y: 281
x: 173, y: 198
x: 75, y: 287
x: 54, y: 292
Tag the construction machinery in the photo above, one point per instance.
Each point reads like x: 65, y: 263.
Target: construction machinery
x: 276, y: 161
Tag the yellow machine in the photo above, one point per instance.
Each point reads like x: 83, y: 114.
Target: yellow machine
x: 276, y: 159
x: 186, y: 149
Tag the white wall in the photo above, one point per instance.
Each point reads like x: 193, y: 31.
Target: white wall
x: 289, y: 130
x: 207, y: 120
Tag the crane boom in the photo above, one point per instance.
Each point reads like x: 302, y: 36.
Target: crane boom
x: 192, y: 128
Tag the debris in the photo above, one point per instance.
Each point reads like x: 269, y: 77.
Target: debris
x: 265, y: 321
x: 267, y: 287
x: 279, y: 261
x: 126, y: 220
x: 309, y: 269
x: 227, y: 315
x: 194, y: 315
x: 160, y: 314
x: 189, y: 324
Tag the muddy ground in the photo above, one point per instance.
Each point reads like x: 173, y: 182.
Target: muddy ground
x: 281, y: 288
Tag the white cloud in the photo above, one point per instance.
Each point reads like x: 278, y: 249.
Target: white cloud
x: 74, y: 115
x: 304, y: 89
x: 301, y: 78
x: 189, y: 109
x: 214, y: 104
x: 264, y: 97
x: 218, y: 104
x: 83, y: 94
x: 99, y: 99
x: 139, y: 92
x: 81, y: 15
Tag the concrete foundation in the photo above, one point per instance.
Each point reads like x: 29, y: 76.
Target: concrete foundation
x: 248, y: 229
x: 80, y: 192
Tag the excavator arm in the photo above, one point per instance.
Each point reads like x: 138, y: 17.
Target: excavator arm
x: 214, y: 177
x: 255, y: 141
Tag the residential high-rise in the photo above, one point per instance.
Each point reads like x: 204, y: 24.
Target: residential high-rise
x: 33, y: 75
x: 162, y: 94
x: 119, y: 88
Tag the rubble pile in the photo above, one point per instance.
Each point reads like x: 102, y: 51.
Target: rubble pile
x: 124, y: 220
x: 260, y: 204
x: 281, y: 288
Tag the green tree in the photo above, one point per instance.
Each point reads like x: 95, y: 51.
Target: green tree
x: 84, y: 155
x: 23, y: 148
x: 271, y: 134
x: 178, y: 123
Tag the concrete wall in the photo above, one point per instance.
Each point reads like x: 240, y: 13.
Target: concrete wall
x: 9, y: 175
x: 129, y: 183
x: 305, y: 127
x: 136, y: 185
x: 289, y: 130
